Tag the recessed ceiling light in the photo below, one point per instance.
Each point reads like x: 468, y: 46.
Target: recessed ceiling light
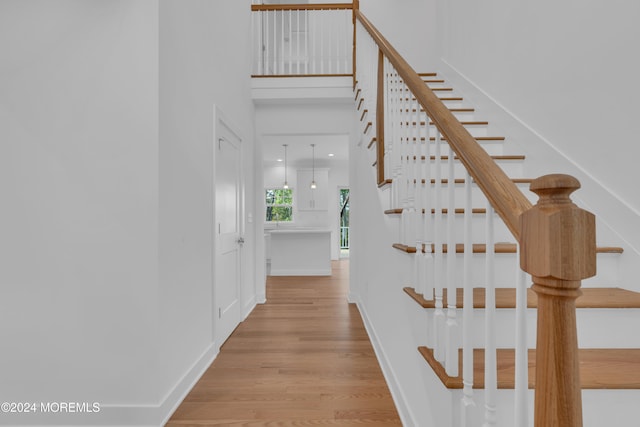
x: 331, y: 154
x: 278, y: 160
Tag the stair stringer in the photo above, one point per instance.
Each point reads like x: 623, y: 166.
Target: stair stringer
x: 616, y: 222
x: 376, y: 287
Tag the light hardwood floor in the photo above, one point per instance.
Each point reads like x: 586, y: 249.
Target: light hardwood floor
x: 301, y: 359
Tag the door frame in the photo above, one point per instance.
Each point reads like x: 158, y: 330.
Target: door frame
x: 219, y: 121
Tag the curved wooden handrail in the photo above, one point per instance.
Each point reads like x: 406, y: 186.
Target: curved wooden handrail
x: 319, y: 6
x: 504, y: 195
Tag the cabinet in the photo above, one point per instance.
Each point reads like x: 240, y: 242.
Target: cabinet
x: 308, y: 199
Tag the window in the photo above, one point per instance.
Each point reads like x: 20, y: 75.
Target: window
x: 279, y: 203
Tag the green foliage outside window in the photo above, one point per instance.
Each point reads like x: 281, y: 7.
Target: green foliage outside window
x: 279, y: 203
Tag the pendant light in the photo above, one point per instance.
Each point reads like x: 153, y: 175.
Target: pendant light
x: 285, y: 185
x: 313, y: 166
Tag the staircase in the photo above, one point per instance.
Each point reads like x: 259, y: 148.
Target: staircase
x: 609, y: 362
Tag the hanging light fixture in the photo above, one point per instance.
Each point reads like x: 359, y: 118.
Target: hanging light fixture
x: 313, y: 166
x: 286, y: 184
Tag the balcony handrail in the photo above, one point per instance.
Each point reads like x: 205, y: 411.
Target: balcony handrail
x: 508, y: 201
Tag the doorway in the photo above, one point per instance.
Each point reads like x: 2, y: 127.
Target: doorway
x: 343, y: 198
x: 227, y: 230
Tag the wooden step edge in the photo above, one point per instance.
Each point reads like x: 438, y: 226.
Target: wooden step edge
x: 445, y: 98
x: 600, y: 368
x: 452, y: 109
x: 366, y: 129
x: 481, y: 248
x: 364, y: 113
x: 445, y: 211
x: 478, y: 248
x: 435, y: 89
x: 456, y: 158
x: 360, y: 103
x: 461, y: 181
x: 384, y: 183
x: 373, y: 141
x: 467, y: 123
x: 430, y: 74
x: 607, y: 298
x: 358, y: 91
x: 477, y: 138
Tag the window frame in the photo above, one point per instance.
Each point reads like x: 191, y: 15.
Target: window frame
x: 283, y: 205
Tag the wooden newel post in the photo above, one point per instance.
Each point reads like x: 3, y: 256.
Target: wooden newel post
x: 558, y: 249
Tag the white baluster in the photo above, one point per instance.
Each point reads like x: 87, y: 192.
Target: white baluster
x: 275, y: 43
x: 452, y: 321
x: 468, y: 402
x: 490, y: 368
x: 322, y: 45
x: 267, y: 48
x: 306, y: 42
x: 522, y: 356
x: 427, y: 203
x: 438, y: 314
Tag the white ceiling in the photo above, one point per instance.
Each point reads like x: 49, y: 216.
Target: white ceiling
x: 299, y: 148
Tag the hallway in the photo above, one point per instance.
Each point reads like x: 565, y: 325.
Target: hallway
x: 303, y: 358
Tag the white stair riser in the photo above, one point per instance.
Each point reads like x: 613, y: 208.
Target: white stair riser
x: 414, y: 130
x: 478, y: 227
x: 513, y: 168
x: 594, y: 327
x: 477, y: 197
x: 602, y: 407
x: 505, y: 270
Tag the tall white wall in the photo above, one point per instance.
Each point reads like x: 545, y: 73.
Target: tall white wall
x: 78, y: 207
x: 410, y: 26
x: 106, y: 128
x: 565, y: 71
x: 204, y: 62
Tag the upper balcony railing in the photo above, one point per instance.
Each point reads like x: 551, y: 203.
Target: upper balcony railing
x: 302, y: 39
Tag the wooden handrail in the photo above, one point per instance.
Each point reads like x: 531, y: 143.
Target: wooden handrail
x: 319, y: 6
x: 505, y: 197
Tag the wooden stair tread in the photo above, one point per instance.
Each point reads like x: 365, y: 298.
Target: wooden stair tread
x: 600, y: 368
x: 461, y: 181
x: 503, y: 157
x: 444, y: 211
x: 373, y: 141
x: 463, y: 123
x: 506, y: 298
x: 477, y: 138
x: 500, y: 248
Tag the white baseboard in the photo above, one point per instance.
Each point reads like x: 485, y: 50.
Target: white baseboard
x: 173, y: 399
x: 406, y: 416
x: 122, y: 415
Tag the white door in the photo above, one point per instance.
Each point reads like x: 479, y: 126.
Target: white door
x: 227, y: 232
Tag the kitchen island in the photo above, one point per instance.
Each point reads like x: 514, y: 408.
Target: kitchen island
x: 300, y: 252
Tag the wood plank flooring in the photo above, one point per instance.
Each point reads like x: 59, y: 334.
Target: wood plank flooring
x: 301, y: 359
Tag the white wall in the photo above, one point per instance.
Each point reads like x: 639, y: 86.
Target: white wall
x: 565, y: 71
x: 78, y: 178
x: 204, y: 62
x: 410, y: 26
x: 106, y: 123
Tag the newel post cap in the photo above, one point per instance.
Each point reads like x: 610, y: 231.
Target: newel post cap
x: 557, y: 238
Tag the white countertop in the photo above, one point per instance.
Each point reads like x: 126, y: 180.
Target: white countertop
x: 299, y: 231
